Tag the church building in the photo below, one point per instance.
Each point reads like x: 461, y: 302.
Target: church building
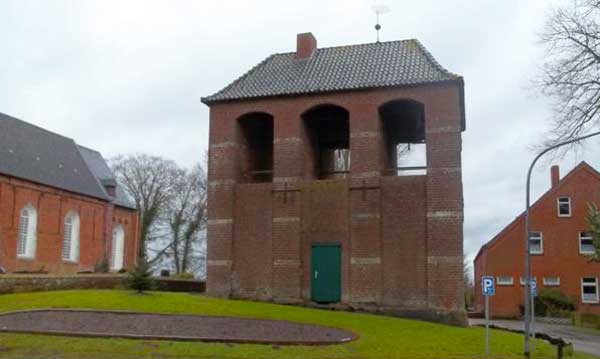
x: 61, y: 209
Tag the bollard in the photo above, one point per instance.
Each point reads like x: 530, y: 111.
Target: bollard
x: 559, y: 350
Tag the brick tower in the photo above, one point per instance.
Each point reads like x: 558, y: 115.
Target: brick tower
x: 335, y: 177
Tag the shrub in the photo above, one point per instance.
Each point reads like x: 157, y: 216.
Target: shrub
x: 101, y: 266
x: 552, y: 302
x: 140, y: 277
x: 587, y: 320
x: 185, y: 275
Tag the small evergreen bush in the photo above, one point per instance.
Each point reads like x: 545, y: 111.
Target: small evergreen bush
x: 185, y: 275
x: 140, y: 277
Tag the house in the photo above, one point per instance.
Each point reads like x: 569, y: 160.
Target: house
x: 559, y: 244
x: 335, y: 177
x: 61, y: 209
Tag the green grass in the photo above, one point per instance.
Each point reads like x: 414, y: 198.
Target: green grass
x: 380, y: 337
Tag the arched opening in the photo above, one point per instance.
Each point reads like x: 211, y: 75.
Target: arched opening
x: 27, y: 237
x: 256, y: 132
x: 70, y: 250
x: 118, y: 248
x: 327, y: 130
x: 403, y: 123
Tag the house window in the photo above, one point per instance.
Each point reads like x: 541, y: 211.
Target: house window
x: 27, y: 235
x: 70, y: 250
x: 523, y: 281
x: 551, y: 281
x: 118, y: 246
x: 536, y: 243
x: 504, y: 280
x: 564, y: 206
x: 586, y: 243
x: 589, y: 290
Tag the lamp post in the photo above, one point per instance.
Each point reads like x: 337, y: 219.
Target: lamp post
x: 528, y: 299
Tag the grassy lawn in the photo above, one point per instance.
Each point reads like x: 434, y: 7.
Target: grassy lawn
x: 380, y: 337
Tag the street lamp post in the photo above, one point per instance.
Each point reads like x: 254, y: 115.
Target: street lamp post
x: 528, y: 300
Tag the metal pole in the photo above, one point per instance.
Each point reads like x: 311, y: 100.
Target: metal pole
x: 487, y: 325
x: 527, y: 301
x: 532, y: 323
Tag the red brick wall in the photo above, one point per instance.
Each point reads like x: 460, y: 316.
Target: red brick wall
x: 325, y: 220
x: 52, y: 205
x: 505, y: 254
x: 129, y: 219
x: 404, y: 241
x: 252, y: 247
x: 401, y: 237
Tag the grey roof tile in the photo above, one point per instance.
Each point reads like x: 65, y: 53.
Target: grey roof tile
x: 354, y: 67
x: 97, y: 165
x: 32, y: 153
x: 102, y: 171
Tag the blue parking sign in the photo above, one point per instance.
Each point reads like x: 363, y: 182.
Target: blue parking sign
x: 534, y: 287
x: 487, y: 284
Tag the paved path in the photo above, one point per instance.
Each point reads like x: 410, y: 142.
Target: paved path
x: 583, y: 341
x: 171, y: 327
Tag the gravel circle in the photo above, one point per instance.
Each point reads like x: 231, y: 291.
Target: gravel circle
x: 89, y: 323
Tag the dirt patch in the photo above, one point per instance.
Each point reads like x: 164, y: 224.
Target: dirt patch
x: 89, y: 323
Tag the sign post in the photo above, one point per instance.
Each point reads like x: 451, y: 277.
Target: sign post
x: 487, y: 285
x: 533, y: 295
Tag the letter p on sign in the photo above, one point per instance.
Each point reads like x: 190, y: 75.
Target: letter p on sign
x: 487, y: 284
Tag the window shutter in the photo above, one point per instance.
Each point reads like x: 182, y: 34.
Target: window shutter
x: 23, y: 229
x: 68, y: 234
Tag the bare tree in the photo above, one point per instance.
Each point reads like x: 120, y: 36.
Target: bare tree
x: 469, y: 290
x: 187, y: 220
x: 571, y: 72
x: 149, y: 181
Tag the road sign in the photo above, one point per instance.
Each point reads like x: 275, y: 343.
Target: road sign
x: 534, y: 287
x: 489, y: 289
x: 487, y: 284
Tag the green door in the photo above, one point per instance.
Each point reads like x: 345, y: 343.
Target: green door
x: 326, y: 273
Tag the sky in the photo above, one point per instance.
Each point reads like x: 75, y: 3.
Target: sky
x: 127, y: 76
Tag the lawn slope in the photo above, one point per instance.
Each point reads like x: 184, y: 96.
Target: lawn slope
x: 380, y: 337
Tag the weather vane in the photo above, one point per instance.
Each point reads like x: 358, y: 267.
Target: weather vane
x: 379, y: 9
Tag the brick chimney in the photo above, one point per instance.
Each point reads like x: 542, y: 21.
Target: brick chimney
x: 306, y: 44
x: 555, y: 175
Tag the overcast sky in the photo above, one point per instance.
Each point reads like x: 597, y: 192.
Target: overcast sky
x: 127, y: 76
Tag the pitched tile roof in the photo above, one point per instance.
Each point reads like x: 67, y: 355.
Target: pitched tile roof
x: 32, y: 153
x: 100, y: 169
x: 373, y: 65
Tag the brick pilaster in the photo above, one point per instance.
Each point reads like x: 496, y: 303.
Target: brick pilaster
x: 444, y: 213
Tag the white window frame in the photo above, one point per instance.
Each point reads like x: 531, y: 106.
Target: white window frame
x: 547, y: 283
x: 582, y: 237
x: 558, y: 206
x: 27, y: 233
x: 117, y: 258
x: 595, y: 284
x: 541, y: 251
x: 522, y: 280
x: 71, y: 238
x: 500, y: 281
